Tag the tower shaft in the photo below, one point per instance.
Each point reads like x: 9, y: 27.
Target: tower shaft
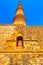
x: 19, y: 19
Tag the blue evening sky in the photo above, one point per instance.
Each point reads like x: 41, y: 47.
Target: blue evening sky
x: 33, y: 11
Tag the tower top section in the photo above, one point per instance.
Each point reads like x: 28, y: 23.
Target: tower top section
x: 19, y: 19
x: 20, y: 10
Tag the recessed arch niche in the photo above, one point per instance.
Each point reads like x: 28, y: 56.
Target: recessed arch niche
x: 19, y: 41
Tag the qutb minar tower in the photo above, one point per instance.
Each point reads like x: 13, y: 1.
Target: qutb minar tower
x: 21, y: 44
x: 19, y: 19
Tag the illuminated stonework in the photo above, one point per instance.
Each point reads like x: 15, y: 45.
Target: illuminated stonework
x: 29, y: 50
x: 19, y: 19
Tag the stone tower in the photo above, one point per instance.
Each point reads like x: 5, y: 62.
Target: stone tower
x: 19, y: 19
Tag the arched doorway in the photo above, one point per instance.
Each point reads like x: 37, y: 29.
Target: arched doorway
x: 19, y: 41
